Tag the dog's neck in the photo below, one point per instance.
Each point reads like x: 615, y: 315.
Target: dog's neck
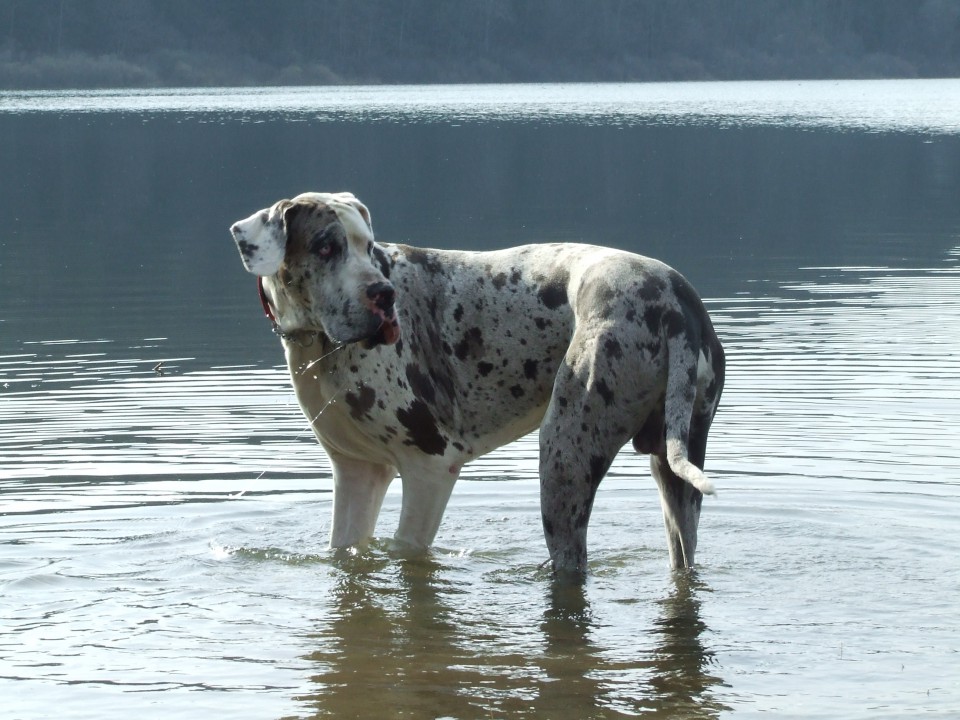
x: 303, y: 338
x: 316, y: 362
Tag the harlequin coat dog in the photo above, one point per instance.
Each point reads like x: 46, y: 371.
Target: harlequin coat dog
x: 417, y: 361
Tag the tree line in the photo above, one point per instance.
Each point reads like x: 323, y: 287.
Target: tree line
x: 147, y: 43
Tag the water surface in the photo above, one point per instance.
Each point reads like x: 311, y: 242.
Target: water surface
x: 164, y: 535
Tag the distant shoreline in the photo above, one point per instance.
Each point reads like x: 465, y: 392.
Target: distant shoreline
x: 82, y: 71
x: 61, y: 44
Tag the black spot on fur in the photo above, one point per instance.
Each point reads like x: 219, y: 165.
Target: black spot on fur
x: 484, y: 368
x: 691, y: 307
x: 247, y: 249
x: 500, y: 280
x: 581, y: 519
x: 422, y: 429
x: 361, y: 403
x: 598, y: 468
x: 458, y: 313
x: 422, y: 258
x: 605, y: 392
x: 530, y: 369
x: 652, y: 288
x: 517, y: 391
x: 383, y: 262
x: 612, y: 348
x: 421, y: 385
x: 553, y: 294
x: 651, y: 318
x: 471, y: 345
x: 673, y: 322
x: 604, y: 298
x: 442, y: 381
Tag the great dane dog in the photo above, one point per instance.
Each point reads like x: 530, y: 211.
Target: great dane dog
x: 418, y: 361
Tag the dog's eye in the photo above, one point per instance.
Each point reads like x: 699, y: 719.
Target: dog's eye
x: 323, y: 245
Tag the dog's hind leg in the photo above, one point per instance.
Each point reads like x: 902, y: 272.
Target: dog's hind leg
x: 694, y: 383
x: 582, y: 431
x: 681, y: 503
x: 680, y: 500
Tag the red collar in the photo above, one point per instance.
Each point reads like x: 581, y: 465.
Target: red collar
x: 267, y: 310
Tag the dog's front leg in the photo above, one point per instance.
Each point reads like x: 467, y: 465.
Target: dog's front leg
x: 358, y: 491
x: 425, y: 496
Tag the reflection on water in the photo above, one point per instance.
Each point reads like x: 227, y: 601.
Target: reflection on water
x: 685, y: 669
x: 403, y: 635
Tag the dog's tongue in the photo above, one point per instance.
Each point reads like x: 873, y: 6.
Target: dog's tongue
x: 390, y: 330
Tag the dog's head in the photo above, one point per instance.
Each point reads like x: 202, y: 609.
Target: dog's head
x: 320, y: 267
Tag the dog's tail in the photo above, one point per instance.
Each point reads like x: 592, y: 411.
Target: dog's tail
x: 682, y: 382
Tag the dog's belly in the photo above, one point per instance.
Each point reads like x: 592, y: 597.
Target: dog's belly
x: 354, y: 416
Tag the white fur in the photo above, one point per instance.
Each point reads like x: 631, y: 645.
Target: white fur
x: 265, y: 240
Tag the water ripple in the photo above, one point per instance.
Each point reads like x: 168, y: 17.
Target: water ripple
x: 851, y: 373
x: 845, y: 373
x: 873, y: 106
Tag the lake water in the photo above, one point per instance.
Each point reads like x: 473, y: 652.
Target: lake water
x: 163, y: 537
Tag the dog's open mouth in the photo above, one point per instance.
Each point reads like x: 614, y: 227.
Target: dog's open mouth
x: 380, y: 302
x: 388, y: 333
x: 390, y: 330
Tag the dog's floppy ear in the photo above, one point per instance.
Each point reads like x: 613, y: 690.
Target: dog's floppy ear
x: 262, y: 238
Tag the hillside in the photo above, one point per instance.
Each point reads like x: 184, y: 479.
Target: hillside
x: 148, y: 43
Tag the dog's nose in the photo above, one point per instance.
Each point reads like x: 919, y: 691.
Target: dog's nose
x: 382, y: 294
